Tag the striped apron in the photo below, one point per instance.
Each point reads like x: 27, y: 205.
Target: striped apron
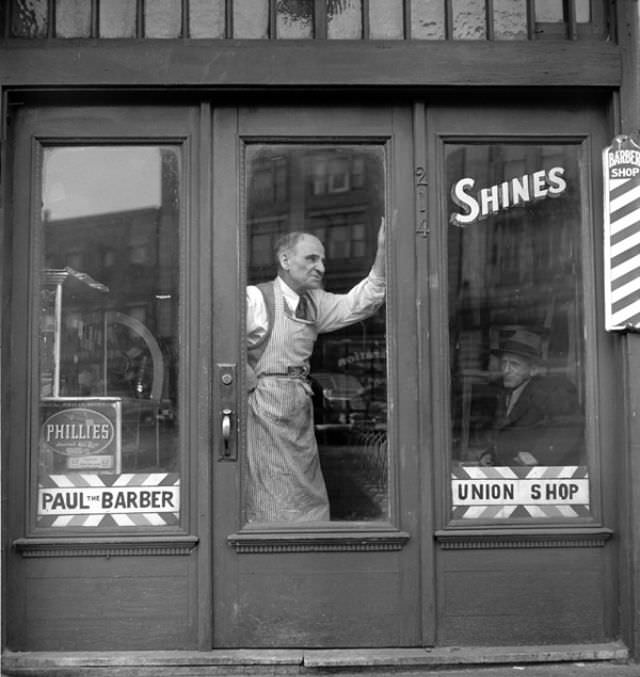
x: 283, y: 480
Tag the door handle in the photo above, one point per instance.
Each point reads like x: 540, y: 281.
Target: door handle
x: 227, y: 416
x: 226, y: 432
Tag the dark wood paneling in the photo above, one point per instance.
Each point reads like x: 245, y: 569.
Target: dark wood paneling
x: 536, y: 596
x: 123, y: 603
x: 336, y: 600
x: 324, y: 64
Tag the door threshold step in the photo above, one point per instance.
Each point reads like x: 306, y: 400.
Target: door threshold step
x: 297, y: 661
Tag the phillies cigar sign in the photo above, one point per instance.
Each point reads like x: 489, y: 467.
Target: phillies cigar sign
x: 478, y: 203
x: 81, y: 435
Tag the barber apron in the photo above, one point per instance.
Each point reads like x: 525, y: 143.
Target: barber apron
x: 284, y: 480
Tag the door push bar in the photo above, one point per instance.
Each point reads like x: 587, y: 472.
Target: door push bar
x: 227, y: 418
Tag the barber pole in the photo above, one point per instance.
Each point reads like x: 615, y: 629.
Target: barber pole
x: 621, y: 174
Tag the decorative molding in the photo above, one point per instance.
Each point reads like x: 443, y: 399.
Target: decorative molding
x: 520, y: 539
x: 86, y: 547
x: 251, y: 542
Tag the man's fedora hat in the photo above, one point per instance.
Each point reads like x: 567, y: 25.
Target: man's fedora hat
x: 522, y: 343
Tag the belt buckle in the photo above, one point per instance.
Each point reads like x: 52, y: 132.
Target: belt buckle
x: 296, y: 372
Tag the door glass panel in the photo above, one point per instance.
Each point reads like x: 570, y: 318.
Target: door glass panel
x: 517, y: 354
x: 108, y: 368
x: 335, y: 193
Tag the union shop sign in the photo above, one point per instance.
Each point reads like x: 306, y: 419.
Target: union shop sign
x: 549, y: 492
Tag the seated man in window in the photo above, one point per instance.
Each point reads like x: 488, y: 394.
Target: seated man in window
x: 537, y: 419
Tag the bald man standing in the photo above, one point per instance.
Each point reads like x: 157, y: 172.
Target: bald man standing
x: 284, y: 481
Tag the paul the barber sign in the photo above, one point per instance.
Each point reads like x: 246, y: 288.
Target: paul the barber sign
x: 622, y: 234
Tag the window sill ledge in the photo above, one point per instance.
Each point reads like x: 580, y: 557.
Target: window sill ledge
x: 115, y: 547
x: 352, y: 540
x: 488, y: 539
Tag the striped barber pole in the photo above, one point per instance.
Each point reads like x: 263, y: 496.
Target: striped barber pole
x: 125, y: 500
x: 491, y: 493
x: 621, y: 172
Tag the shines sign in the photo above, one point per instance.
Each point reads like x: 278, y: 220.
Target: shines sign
x: 477, y: 204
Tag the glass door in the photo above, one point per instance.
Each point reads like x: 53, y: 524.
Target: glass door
x: 320, y: 548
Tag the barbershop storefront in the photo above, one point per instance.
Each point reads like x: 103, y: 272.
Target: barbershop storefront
x: 477, y: 434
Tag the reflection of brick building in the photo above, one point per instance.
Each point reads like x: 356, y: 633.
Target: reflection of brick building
x: 131, y: 253
x: 338, y: 195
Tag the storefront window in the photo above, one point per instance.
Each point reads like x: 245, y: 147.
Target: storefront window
x: 336, y: 194
x: 517, y: 354
x: 107, y: 454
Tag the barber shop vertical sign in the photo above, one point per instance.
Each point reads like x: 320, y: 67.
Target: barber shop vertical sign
x: 621, y: 172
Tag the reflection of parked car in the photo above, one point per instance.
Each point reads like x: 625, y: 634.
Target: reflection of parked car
x: 376, y: 399
x: 337, y: 398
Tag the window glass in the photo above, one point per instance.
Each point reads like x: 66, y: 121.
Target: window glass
x: 29, y: 19
x: 335, y: 194
x: 117, y: 19
x: 516, y: 331
x: 386, y: 19
x: 294, y: 19
x: 469, y: 20
x: 162, y: 19
x: 428, y: 20
x: 510, y: 19
x: 207, y: 19
x: 344, y: 19
x: 108, y: 448
x: 73, y: 19
x: 251, y: 19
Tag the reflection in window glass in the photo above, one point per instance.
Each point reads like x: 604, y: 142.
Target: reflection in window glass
x: 108, y: 337
x: 335, y: 194
x: 516, y: 330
